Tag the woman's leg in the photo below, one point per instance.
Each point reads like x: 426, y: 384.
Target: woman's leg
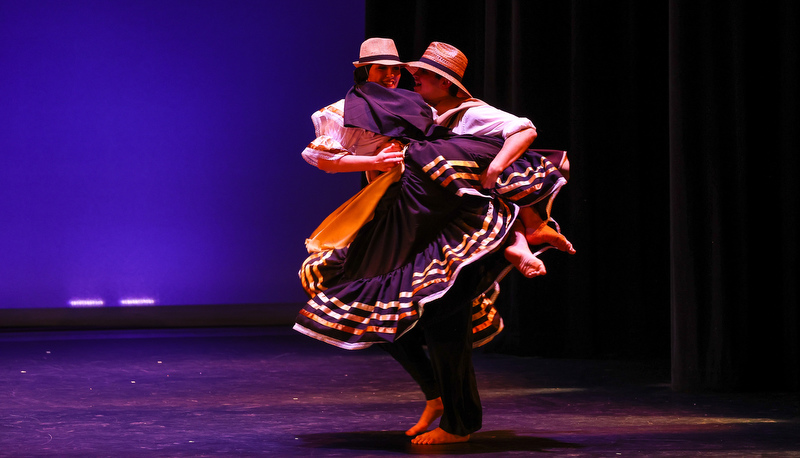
x: 538, y: 232
x: 519, y: 254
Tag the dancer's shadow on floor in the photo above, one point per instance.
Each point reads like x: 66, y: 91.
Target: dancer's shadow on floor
x: 397, y: 442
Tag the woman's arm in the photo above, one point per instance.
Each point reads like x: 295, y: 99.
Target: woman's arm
x: 389, y: 155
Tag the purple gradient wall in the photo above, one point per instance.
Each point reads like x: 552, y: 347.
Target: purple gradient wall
x: 151, y: 149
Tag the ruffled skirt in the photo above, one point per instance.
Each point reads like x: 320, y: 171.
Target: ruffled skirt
x: 423, y: 230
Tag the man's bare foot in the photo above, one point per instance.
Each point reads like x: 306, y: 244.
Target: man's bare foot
x: 433, y: 410
x: 438, y: 436
x: 525, y: 261
x: 546, y: 234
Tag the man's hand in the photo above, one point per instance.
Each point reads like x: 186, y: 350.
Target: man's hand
x: 489, y: 178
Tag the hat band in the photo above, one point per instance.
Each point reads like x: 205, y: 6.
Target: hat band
x: 368, y: 59
x: 441, y: 67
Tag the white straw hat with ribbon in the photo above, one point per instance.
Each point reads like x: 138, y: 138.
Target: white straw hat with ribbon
x: 381, y: 51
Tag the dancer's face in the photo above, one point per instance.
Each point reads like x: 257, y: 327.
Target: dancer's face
x: 385, y: 75
x: 429, y: 85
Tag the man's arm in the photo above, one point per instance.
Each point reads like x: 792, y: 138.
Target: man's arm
x: 512, y: 149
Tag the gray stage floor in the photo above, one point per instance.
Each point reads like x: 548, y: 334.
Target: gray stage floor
x: 272, y: 392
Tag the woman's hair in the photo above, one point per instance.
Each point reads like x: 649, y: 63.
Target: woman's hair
x: 360, y: 74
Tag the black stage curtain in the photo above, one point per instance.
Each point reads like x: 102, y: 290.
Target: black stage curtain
x: 675, y: 115
x: 733, y: 194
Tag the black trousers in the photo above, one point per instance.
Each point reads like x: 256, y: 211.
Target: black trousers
x: 446, y: 370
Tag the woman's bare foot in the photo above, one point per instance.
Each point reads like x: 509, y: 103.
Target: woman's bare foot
x: 525, y: 261
x: 433, y: 410
x: 546, y: 234
x: 438, y: 436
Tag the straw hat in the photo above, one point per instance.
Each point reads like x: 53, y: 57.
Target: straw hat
x: 445, y: 60
x: 379, y: 51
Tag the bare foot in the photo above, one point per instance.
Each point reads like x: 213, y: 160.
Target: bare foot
x: 546, y: 234
x: 438, y: 436
x: 525, y: 261
x: 433, y: 410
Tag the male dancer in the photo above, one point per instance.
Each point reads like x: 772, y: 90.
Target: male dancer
x: 450, y: 388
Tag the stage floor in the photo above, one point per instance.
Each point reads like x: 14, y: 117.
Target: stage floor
x: 273, y: 392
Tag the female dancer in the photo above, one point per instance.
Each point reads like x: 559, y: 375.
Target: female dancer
x: 349, y: 149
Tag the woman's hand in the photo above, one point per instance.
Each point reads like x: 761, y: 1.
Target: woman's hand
x: 389, y: 155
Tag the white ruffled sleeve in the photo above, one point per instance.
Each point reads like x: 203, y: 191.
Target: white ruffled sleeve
x: 332, y: 136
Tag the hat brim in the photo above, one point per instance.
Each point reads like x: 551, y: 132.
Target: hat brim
x: 411, y: 66
x: 380, y: 62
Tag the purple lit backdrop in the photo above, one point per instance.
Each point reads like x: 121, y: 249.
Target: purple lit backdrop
x: 152, y: 148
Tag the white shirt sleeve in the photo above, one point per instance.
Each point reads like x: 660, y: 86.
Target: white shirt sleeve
x: 488, y: 120
x: 334, y: 140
